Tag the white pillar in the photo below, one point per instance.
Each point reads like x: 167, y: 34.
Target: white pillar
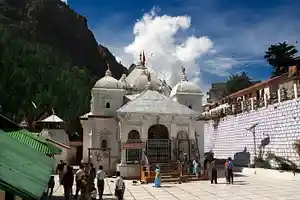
x: 295, y: 91
x: 252, y: 103
x: 265, y: 100
x: 123, y: 155
x: 242, y: 106
x: 279, y: 95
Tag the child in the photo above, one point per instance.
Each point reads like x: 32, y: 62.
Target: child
x: 51, y: 185
x: 93, y: 192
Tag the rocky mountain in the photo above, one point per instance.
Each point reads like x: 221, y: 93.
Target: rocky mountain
x: 54, y: 22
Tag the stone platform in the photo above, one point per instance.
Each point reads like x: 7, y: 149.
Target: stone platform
x: 244, y: 188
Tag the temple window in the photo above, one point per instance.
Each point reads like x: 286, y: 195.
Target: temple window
x: 104, y: 144
x: 107, y: 105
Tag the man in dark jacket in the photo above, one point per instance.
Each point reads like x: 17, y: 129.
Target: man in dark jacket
x: 67, y: 182
x: 214, y: 172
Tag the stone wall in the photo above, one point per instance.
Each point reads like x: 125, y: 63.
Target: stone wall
x: 278, y: 127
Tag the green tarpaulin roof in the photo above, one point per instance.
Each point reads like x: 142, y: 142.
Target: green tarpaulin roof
x: 24, y: 171
x: 37, y: 142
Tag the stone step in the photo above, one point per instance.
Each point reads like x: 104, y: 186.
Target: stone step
x: 184, y: 178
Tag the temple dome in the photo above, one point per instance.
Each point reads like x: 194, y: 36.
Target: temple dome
x: 108, y: 82
x: 185, y: 87
x: 138, y: 79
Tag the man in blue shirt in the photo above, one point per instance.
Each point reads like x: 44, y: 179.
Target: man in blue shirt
x: 230, y: 170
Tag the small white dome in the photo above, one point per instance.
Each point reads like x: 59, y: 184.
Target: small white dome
x: 108, y: 82
x: 185, y: 87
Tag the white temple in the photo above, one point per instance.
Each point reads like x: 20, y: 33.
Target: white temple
x: 141, y: 109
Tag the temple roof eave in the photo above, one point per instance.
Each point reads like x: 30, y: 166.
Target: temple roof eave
x: 195, y: 116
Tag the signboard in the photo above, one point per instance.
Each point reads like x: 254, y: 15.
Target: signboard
x: 139, y: 145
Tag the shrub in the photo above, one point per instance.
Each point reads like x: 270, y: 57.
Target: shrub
x: 297, y: 147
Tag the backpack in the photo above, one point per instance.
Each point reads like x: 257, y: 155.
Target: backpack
x: 229, y: 165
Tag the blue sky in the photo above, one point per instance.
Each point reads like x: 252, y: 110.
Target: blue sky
x: 239, y: 32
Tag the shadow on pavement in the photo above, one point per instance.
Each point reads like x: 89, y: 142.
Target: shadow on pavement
x: 167, y: 186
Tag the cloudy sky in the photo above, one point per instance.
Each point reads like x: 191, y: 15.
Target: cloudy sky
x: 210, y: 38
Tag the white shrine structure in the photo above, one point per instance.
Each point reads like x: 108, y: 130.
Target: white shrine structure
x: 139, y: 119
x: 53, y: 129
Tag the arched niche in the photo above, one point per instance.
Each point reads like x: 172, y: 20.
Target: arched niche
x: 133, y: 135
x: 158, y: 131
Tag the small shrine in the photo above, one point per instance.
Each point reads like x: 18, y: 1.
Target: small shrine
x: 53, y: 128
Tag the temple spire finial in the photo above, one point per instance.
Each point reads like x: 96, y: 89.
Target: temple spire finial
x: 148, y: 86
x: 184, y: 76
x: 53, y: 112
x: 108, y: 72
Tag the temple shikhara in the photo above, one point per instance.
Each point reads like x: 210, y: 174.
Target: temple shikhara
x: 140, y: 120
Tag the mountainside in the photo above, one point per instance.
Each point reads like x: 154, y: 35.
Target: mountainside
x: 55, y: 23
x: 48, y: 59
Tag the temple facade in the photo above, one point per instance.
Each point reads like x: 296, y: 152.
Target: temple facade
x: 139, y: 119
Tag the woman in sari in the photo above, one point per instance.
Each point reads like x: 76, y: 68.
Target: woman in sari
x: 157, y: 180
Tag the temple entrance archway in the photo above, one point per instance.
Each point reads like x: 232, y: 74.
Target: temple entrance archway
x: 158, y: 147
x: 183, y: 146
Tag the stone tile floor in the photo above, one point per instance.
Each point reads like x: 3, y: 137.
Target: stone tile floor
x: 244, y: 188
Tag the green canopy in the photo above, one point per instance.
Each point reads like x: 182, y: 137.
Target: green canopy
x: 24, y: 171
x: 37, y: 142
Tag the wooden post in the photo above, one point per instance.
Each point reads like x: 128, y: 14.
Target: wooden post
x: 89, y: 155
x: 109, y: 161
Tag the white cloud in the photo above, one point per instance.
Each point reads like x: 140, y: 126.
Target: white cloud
x: 157, y: 35
x: 66, y: 1
x: 221, y: 65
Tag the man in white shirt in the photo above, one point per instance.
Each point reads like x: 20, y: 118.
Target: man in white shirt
x: 100, y: 181
x: 120, y: 187
x: 78, y: 177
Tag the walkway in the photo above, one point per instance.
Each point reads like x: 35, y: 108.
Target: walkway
x: 244, y: 188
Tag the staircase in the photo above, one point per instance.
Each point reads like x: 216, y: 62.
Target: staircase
x: 171, y: 172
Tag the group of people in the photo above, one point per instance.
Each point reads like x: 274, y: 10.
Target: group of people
x: 85, y: 182
x: 213, y: 170
x: 228, y: 167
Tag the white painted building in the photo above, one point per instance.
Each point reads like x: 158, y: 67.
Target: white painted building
x: 53, y: 129
x: 142, y: 109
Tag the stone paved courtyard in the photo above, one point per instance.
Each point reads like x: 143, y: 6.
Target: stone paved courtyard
x: 251, y: 187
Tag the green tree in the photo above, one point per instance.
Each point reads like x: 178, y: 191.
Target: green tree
x: 39, y: 73
x: 237, y: 82
x: 281, y: 56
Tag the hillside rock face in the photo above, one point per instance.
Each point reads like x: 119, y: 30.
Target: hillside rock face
x: 55, y: 23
